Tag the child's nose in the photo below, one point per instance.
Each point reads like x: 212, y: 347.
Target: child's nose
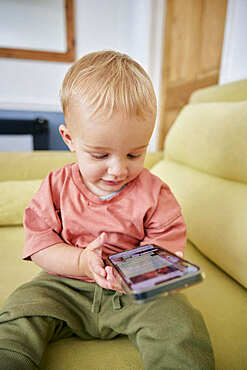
x: 117, y: 168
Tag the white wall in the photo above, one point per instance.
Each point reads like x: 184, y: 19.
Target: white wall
x: 234, y: 56
x: 133, y: 27
x: 124, y: 25
x: 17, y: 18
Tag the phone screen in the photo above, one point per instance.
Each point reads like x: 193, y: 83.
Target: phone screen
x: 148, y: 266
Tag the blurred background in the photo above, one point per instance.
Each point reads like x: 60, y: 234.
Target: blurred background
x: 182, y: 44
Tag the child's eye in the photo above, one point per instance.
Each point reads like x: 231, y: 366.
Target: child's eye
x: 98, y: 156
x: 133, y: 156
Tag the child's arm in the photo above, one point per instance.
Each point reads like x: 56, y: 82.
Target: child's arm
x: 63, y: 259
x: 45, y: 246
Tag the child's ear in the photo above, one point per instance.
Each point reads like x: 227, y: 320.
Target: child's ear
x: 64, y: 132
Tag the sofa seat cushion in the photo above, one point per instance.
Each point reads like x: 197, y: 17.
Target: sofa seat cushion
x: 215, y: 214
x: 15, y: 196
x: 223, y: 304
x: 72, y: 353
x: 75, y: 354
x: 221, y: 300
x: 13, y: 271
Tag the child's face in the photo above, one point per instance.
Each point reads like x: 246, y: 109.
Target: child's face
x: 110, y: 152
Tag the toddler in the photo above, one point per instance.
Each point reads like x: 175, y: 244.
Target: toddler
x: 104, y: 203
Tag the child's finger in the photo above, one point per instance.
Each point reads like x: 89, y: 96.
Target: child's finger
x: 101, y: 281
x: 109, y: 273
x: 180, y: 254
x: 97, y: 265
x: 97, y: 243
x: 112, y: 279
x: 99, y: 270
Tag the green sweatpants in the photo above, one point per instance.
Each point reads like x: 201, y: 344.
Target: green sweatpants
x: 168, y: 332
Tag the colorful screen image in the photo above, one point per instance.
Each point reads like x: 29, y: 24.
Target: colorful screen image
x: 147, y: 266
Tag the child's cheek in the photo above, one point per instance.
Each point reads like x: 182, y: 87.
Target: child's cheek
x: 95, y: 171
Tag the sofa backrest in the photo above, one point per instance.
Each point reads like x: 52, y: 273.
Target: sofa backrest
x: 206, y: 167
x: 32, y: 165
x: 20, y: 177
x: 211, y: 137
x: 230, y: 92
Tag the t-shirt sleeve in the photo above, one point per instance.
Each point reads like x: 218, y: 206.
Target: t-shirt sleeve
x: 42, y: 224
x: 164, y: 224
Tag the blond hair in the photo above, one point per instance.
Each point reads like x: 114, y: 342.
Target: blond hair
x: 108, y: 81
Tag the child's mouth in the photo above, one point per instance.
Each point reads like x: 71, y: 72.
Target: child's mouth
x: 112, y: 183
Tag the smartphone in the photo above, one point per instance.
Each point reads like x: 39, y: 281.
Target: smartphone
x: 146, y: 271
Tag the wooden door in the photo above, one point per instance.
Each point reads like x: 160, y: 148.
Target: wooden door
x: 194, y: 32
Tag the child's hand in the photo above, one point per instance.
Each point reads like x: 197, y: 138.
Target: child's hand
x: 91, y: 262
x: 112, y: 279
x: 92, y: 265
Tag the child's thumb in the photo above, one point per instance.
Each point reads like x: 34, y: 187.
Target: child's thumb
x: 98, y: 242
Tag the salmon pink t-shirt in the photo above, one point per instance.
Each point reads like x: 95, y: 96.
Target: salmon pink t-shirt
x: 65, y: 211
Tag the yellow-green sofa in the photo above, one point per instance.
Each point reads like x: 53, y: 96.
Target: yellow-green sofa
x: 205, y: 164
